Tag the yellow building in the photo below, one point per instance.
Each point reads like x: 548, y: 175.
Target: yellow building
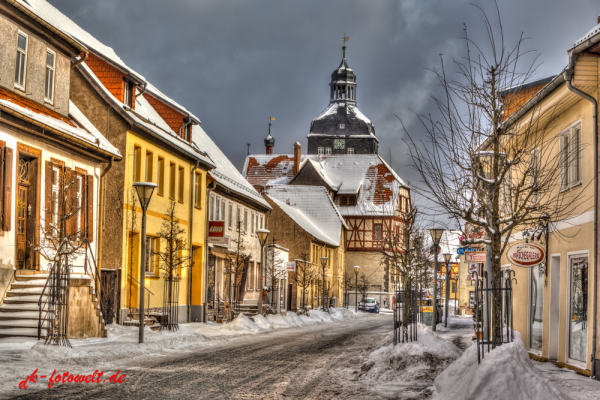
x: 155, y: 136
x: 553, y: 303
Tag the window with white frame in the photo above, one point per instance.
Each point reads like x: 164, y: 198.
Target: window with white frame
x: 252, y: 224
x: 245, y: 220
x: 230, y: 215
x: 223, y: 210
x: 251, y: 275
x: 570, y: 156
x: 50, y: 71
x: 212, y: 208
x: 534, y: 170
x: 238, y: 218
x: 350, y: 150
x: 257, y: 226
x: 327, y: 150
x: 151, y: 254
x: 218, y: 206
x: 21, y: 67
x: 79, y: 205
x: 261, y: 222
x: 320, y: 150
x: 55, y: 195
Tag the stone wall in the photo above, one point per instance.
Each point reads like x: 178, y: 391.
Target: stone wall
x: 84, y: 316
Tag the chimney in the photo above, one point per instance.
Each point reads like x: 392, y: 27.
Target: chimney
x: 297, y: 152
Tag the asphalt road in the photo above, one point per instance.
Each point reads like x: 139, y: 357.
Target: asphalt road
x: 317, y: 362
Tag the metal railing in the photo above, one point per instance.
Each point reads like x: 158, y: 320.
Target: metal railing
x: 406, y: 316
x: 54, y: 310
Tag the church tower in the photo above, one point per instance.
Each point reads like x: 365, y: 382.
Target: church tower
x: 269, y: 141
x: 342, y: 128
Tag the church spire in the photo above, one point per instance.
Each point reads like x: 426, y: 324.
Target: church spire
x: 269, y: 140
x: 343, y: 81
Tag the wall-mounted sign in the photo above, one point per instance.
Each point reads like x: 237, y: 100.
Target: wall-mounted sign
x: 290, y: 266
x: 525, y: 255
x: 473, y: 267
x: 475, y: 249
x: 460, y: 251
x: 216, y: 232
x: 475, y: 257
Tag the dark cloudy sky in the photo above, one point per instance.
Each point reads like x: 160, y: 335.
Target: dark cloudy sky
x: 234, y: 63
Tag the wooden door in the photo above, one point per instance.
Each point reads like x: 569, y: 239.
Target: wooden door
x: 109, y: 286
x: 22, y: 208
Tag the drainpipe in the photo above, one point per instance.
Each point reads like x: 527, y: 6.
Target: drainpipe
x: 82, y: 59
x: 568, y: 75
x: 101, y: 210
x: 143, y: 90
x: 189, y: 121
x: 191, y: 237
x: 209, y: 189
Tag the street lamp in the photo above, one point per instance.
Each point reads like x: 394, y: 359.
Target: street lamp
x: 455, y: 293
x: 323, y: 264
x: 144, y: 192
x: 436, y: 235
x: 447, y: 258
x: 262, y: 238
x: 356, y: 269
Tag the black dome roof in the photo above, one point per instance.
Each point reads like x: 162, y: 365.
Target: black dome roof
x: 343, y: 74
x: 338, y: 114
x: 269, y: 140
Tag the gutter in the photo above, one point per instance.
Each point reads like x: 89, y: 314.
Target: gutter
x: 189, y: 319
x: 209, y: 189
x: 568, y: 76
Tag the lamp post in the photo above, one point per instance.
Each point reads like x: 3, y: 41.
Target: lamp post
x: 323, y: 265
x: 436, y: 234
x: 356, y: 269
x: 144, y: 192
x: 262, y: 238
x: 447, y: 257
x: 455, y: 293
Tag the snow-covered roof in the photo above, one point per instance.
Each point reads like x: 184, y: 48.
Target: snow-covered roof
x: 86, y: 134
x: 367, y: 175
x: 312, y: 209
x: 591, y: 33
x: 225, y: 172
x: 341, y: 113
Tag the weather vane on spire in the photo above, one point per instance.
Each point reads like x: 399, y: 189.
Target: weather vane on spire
x: 345, y: 40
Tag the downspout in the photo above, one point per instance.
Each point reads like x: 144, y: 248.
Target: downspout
x: 209, y: 189
x: 82, y: 59
x: 101, y: 202
x: 191, y: 237
x: 143, y: 90
x: 189, y: 121
x: 568, y: 74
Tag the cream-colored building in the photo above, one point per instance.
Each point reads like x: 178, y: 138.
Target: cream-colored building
x: 553, y: 303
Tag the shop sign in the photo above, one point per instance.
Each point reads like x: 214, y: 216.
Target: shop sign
x: 526, y: 255
x: 473, y: 267
x: 290, y: 266
x: 478, y: 257
x: 427, y: 309
x: 216, y: 232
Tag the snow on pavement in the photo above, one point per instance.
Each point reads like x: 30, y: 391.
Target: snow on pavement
x: 19, y: 357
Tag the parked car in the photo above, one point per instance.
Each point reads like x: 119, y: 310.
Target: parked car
x: 369, y: 304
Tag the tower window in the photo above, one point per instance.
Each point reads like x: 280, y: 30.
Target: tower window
x: 320, y: 150
x: 327, y: 150
x: 350, y: 150
x: 342, y: 126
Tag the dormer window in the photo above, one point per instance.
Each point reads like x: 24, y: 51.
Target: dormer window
x: 21, y: 68
x: 320, y: 150
x: 50, y: 71
x: 128, y: 93
x: 342, y: 126
x: 187, y: 132
x: 349, y: 200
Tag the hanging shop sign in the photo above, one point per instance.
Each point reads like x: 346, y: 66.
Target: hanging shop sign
x: 216, y: 232
x: 473, y: 267
x: 525, y: 255
x: 478, y: 257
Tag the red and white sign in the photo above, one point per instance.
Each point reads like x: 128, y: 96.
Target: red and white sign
x: 525, y: 255
x: 473, y: 267
x: 216, y: 232
x: 475, y: 257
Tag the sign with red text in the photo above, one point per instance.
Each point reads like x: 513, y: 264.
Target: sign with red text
x: 475, y: 257
x: 525, y: 255
x: 216, y: 232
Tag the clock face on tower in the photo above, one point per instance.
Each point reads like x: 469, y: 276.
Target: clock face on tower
x: 339, y: 144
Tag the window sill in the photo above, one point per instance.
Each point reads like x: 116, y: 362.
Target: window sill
x: 197, y: 208
x: 151, y: 277
x: 19, y: 87
x: 580, y: 183
x: 160, y: 194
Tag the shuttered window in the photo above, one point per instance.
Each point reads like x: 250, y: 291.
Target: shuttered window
x: 6, y: 168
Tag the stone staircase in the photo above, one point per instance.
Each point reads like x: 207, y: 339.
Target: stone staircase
x: 19, y: 312
x: 249, y: 310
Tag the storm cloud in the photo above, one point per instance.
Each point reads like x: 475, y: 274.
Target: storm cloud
x: 235, y: 63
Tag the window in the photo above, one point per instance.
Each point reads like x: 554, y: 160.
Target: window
x: 172, y: 181
x: 149, y: 166
x: 238, y: 218
x: 137, y: 163
x: 261, y: 222
x: 377, y: 232
x: 56, y: 173
x: 187, y: 132
x: 534, y: 166
x: 181, y: 184
x: 257, y: 226
x: 320, y: 150
x: 217, y: 209
x: 230, y: 215
x: 79, y: 206
x: 351, y: 200
x: 327, y: 150
x: 245, y: 220
x: 223, y: 210
x: 252, y: 224
x: 21, y: 67
x: 570, y: 156
x: 49, y: 84
x: 342, y: 126
x: 251, y: 278
x: 161, y: 176
x: 197, y: 190
x: 212, y: 208
x: 350, y: 150
x: 343, y: 201
x: 152, y: 248
x: 347, y: 200
x: 127, y: 93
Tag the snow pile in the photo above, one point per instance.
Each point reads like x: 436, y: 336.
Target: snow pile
x: 262, y: 323
x: 505, y: 373
x: 320, y: 316
x: 409, y: 361
x: 241, y: 323
x: 336, y: 314
x: 278, y: 322
x: 293, y: 319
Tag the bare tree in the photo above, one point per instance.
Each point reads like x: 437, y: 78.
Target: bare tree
x: 305, y: 273
x: 364, y: 283
x: 236, y: 270
x: 274, y: 273
x: 172, y: 260
x: 479, y: 168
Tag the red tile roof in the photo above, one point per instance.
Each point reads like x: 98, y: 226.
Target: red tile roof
x: 36, y: 107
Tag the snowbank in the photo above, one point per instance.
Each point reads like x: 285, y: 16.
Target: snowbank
x: 505, y: 373
x: 262, y: 322
x: 241, y: 323
x: 278, y: 322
